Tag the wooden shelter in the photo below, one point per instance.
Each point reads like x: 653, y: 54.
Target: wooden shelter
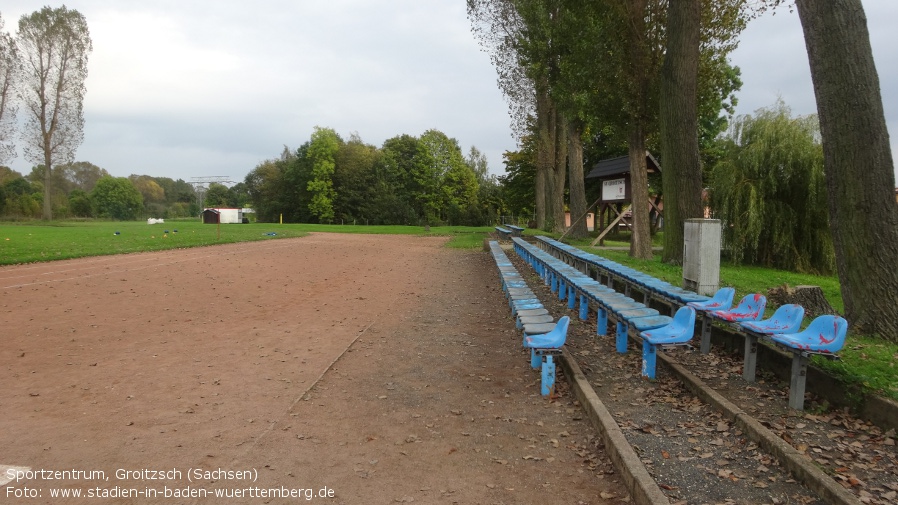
x: 614, y: 176
x: 211, y: 216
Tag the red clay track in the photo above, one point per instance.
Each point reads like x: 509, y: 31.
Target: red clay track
x: 385, y: 368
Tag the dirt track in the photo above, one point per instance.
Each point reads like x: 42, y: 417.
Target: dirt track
x: 383, y: 368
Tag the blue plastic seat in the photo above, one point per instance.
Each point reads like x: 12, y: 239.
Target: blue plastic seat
x: 750, y: 308
x: 722, y: 300
x: 825, y: 335
x: 552, y: 340
x: 786, y: 319
x: 542, y: 347
x: 678, y: 331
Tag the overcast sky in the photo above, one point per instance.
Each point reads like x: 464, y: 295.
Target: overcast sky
x: 184, y: 89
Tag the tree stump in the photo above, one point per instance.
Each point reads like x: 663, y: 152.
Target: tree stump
x: 809, y: 297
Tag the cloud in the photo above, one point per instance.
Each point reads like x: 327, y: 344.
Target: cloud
x: 187, y: 89
x: 224, y: 86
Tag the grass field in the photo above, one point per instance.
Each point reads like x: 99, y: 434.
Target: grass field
x: 37, y: 241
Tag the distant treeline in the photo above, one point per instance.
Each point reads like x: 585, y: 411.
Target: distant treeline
x: 84, y: 190
x: 408, y: 180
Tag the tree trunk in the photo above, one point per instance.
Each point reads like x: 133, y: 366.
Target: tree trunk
x: 857, y: 160
x: 47, y: 213
x: 682, y: 171
x: 559, y: 172
x: 640, y: 238
x: 809, y: 297
x: 577, y: 182
x: 545, y: 154
x: 639, y: 62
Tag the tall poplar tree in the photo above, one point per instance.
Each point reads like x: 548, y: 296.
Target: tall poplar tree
x: 499, y: 28
x: 857, y: 160
x: 682, y: 179
x: 54, y: 45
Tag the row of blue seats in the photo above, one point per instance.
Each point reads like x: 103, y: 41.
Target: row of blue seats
x: 542, y: 335
x: 650, y: 286
x: 504, y: 233
x: 516, y: 231
x: 825, y: 335
x: 569, y: 283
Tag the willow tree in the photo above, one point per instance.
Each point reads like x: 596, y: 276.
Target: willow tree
x: 858, y: 159
x: 54, y: 45
x: 769, y: 190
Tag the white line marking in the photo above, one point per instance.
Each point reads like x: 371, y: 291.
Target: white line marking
x: 300, y: 397
x: 4, y: 473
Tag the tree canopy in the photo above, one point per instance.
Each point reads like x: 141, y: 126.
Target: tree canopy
x: 573, y: 70
x: 409, y: 180
x: 321, y: 152
x: 116, y: 198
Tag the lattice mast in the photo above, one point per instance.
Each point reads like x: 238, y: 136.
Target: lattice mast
x: 201, y: 184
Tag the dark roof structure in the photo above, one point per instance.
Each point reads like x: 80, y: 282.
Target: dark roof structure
x: 620, y: 166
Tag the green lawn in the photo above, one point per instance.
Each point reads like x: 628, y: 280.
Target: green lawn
x: 38, y: 241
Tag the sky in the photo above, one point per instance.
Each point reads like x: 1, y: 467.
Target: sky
x: 202, y: 88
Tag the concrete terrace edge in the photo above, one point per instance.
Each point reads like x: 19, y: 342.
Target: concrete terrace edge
x: 642, y: 486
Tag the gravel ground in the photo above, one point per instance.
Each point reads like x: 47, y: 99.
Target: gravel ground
x: 858, y: 454
x: 698, y: 457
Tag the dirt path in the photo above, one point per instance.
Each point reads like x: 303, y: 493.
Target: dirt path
x: 383, y: 368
